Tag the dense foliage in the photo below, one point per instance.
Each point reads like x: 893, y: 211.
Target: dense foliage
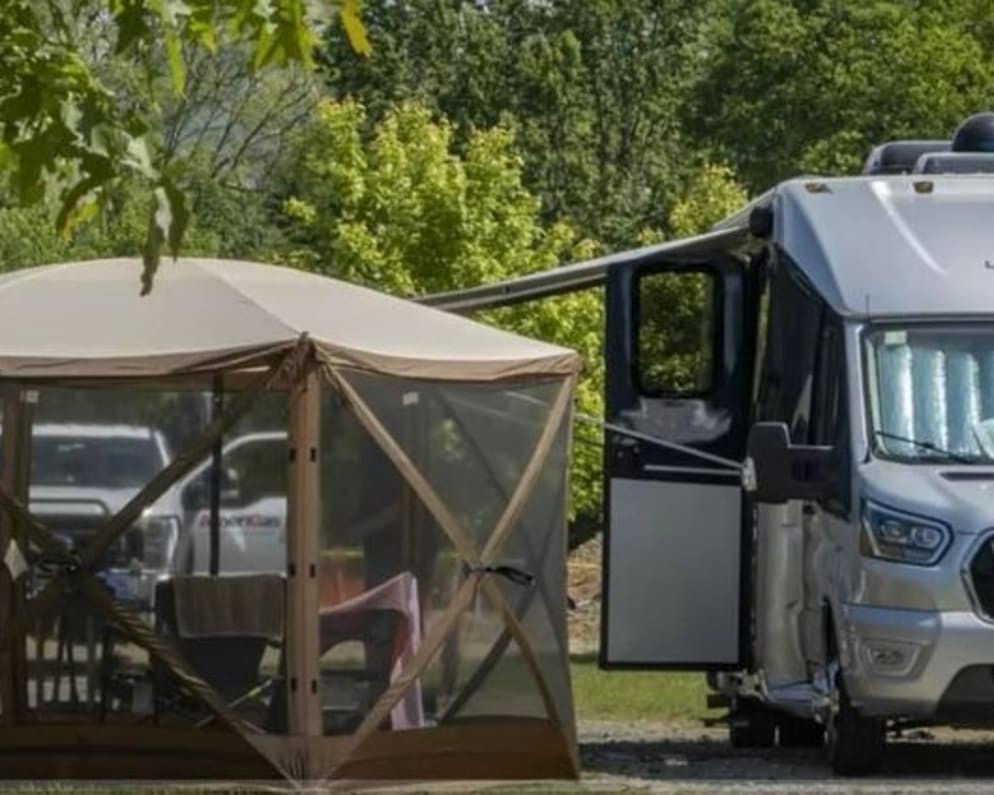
x: 479, y: 140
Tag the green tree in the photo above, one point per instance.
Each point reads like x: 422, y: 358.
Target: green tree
x: 591, y: 87
x: 399, y: 208
x: 225, y: 222
x: 800, y: 86
x: 66, y: 131
x: 714, y: 193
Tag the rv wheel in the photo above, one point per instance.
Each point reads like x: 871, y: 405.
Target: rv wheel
x: 800, y: 732
x: 751, y: 724
x: 855, y: 742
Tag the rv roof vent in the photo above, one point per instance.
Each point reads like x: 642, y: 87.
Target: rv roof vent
x: 899, y: 157
x: 955, y: 163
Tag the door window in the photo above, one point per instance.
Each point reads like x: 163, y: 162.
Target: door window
x: 676, y: 332
x: 793, y: 337
x: 256, y: 470
x: 830, y: 418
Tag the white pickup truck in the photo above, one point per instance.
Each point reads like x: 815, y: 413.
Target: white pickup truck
x: 253, y: 508
x: 81, y: 474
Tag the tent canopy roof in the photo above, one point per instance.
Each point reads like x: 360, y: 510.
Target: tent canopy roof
x: 88, y: 320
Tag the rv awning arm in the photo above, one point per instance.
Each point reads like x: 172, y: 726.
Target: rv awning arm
x: 621, y: 430
x: 728, y: 463
x: 583, y: 275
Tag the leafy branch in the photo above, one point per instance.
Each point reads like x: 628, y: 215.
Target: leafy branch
x: 64, y: 131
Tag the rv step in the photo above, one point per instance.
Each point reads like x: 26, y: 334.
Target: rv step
x: 718, y: 700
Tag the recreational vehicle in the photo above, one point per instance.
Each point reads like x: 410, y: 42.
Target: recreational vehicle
x: 799, y: 451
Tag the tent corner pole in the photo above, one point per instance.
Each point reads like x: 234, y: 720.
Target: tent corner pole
x: 217, y: 461
x: 11, y: 414
x: 15, y: 474
x: 303, y: 548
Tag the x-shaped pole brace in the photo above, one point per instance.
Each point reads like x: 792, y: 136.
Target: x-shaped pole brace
x: 480, y: 562
x: 75, y: 569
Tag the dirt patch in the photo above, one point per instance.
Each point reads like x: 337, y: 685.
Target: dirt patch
x: 584, y: 588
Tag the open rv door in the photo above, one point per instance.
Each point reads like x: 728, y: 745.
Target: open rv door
x: 679, y: 356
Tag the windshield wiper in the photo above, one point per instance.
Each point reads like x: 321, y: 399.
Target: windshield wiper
x: 932, y: 448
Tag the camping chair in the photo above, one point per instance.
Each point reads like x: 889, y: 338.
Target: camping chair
x: 222, y: 626
x: 386, y: 619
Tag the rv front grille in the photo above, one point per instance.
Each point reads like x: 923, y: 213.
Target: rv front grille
x: 981, y: 575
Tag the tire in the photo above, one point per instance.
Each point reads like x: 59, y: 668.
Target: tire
x: 751, y: 725
x: 797, y: 732
x: 856, y: 743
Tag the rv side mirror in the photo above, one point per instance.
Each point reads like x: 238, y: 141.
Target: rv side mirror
x: 778, y: 471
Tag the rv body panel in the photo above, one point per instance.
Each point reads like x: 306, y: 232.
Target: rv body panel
x: 896, y: 246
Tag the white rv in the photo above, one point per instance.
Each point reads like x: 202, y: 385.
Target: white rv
x: 799, y: 452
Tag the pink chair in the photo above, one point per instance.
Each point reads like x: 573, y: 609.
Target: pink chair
x: 358, y: 618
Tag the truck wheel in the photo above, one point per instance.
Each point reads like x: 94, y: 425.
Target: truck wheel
x: 800, y: 732
x: 856, y: 742
x: 751, y: 725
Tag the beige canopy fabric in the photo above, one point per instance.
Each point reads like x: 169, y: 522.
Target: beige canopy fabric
x: 88, y: 319
x: 457, y: 432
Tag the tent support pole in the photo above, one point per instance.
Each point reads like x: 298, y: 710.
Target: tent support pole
x: 8, y: 688
x: 303, y: 549
x: 217, y: 408
x: 20, y: 474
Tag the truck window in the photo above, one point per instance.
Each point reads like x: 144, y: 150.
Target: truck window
x: 258, y: 470
x: 676, y: 332
x: 108, y: 462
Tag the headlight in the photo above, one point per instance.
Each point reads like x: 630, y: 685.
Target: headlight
x: 892, y: 535
x: 161, y: 535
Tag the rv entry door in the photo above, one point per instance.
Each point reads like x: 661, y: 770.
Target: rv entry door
x: 676, y: 554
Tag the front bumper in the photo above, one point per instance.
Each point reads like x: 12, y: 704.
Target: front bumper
x: 901, y: 663
x: 134, y: 588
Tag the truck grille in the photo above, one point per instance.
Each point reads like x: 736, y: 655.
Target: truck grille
x: 981, y: 574
x: 78, y: 531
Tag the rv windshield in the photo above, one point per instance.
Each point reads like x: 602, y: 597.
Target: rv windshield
x: 932, y: 392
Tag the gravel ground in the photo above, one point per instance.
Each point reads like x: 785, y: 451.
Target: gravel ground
x: 668, y: 758
x: 676, y: 758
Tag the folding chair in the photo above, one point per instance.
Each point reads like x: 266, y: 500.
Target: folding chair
x: 222, y: 626
x: 386, y: 620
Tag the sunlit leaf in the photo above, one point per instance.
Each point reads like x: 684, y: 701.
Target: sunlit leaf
x: 355, y: 30
x: 74, y: 211
x: 138, y: 158
x: 85, y: 212
x: 177, y: 69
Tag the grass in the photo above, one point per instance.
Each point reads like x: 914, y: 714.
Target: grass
x: 638, y: 695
